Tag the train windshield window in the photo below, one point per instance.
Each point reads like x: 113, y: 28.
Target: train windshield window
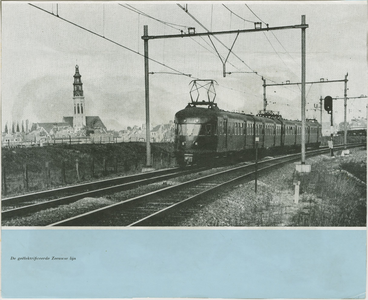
x: 188, y: 129
x: 208, y: 129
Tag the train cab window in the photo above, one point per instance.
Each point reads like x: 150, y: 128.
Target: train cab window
x: 189, y: 129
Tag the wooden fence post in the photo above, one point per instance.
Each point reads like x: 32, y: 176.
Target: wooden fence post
x: 25, y: 177
x: 77, y: 168
x: 104, y: 164
x: 116, y: 164
x: 47, y: 174
x: 3, y: 176
x: 126, y: 167
x: 93, y: 167
x: 63, y: 179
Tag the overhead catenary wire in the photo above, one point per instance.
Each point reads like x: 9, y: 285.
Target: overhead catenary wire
x: 140, y: 12
x: 237, y: 14
x: 266, y: 38
x: 271, y: 32
x: 110, y: 40
x: 255, y: 72
x: 204, y: 27
x: 172, y: 25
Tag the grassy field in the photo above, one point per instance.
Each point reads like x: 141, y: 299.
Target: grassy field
x: 31, y: 169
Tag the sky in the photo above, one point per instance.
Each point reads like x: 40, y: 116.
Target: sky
x: 40, y: 51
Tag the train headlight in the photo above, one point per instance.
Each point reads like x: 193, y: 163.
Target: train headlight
x: 183, y: 143
x: 196, y: 143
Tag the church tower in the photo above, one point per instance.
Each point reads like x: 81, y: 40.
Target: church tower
x: 79, y: 117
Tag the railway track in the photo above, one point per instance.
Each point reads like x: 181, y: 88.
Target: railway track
x: 24, y: 204
x: 148, y: 209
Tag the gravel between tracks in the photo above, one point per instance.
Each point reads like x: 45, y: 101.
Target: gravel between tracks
x: 272, y: 206
x: 52, y: 215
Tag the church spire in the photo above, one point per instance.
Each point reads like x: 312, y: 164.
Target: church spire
x: 78, y: 85
x: 79, y: 117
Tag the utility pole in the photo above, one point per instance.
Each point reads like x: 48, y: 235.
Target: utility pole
x: 146, y: 83
x: 345, y: 104
x: 320, y: 110
x: 264, y: 95
x: 303, y: 95
x: 332, y: 130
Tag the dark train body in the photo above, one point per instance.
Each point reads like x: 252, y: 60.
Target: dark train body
x: 203, y: 134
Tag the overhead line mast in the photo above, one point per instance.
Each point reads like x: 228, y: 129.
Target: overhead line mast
x: 313, y: 82
x: 191, y: 33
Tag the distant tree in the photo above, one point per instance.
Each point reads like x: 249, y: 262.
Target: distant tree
x: 13, y: 128
x: 17, y: 127
x: 129, y: 128
x: 22, y: 126
x: 6, y: 128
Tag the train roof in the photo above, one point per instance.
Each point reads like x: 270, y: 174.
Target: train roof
x: 214, y: 111
x: 191, y: 111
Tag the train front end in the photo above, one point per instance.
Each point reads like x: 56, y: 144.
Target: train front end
x: 195, y: 135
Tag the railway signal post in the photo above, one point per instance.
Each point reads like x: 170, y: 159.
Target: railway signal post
x: 329, y: 109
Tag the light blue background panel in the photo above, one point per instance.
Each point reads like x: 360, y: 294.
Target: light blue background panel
x: 184, y: 263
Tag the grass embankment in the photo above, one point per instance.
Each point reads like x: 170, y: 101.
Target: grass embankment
x: 54, y: 166
x: 333, y: 194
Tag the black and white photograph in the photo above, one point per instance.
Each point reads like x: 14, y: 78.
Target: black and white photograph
x: 184, y: 150
x: 198, y: 114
